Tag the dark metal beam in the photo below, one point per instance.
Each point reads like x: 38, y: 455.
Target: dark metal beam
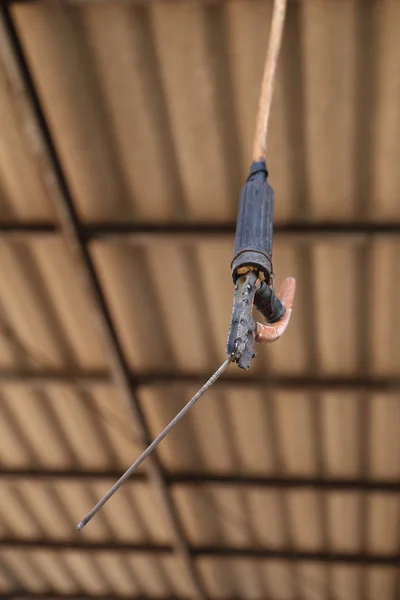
x: 290, y: 228
x: 300, y: 383
x: 258, y: 553
x: 193, y: 478
x: 53, y: 595
x: 129, y: 2
x: 48, y: 377
x: 83, y: 545
x: 26, y: 230
x: 147, y: 232
x: 41, y: 146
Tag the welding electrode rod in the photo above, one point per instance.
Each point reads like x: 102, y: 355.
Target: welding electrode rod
x: 154, y: 444
x: 267, y: 86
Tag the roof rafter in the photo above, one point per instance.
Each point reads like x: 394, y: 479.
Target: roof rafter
x: 147, y: 232
x: 195, y: 478
x: 253, y: 552
x: 54, y: 595
x: 295, y: 383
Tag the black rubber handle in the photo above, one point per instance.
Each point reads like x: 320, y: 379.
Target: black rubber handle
x: 268, y: 304
x: 254, y: 227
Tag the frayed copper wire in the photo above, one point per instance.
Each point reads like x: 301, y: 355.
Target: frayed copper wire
x: 267, y: 334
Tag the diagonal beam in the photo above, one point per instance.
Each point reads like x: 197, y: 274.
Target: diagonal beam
x: 200, y: 478
x: 43, y: 149
x: 243, y: 552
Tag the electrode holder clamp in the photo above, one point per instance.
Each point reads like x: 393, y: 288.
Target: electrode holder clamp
x: 252, y: 268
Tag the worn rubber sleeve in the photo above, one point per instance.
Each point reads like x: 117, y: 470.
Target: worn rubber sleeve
x: 254, y: 227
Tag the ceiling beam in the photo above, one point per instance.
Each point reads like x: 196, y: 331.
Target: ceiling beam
x: 251, y: 552
x: 130, y: 2
x: 196, y: 478
x: 265, y: 382
x: 148, y: 232
x: 41, y: 145
x: 53, y: 595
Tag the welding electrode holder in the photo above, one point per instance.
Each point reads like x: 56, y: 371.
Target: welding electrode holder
x: 252, y: 265
x: 253, y: 242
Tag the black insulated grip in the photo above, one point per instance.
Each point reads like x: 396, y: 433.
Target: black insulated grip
x: 254, y: 227
x: 268, y: 304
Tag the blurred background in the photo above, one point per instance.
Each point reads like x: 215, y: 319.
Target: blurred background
x: 126, y: 133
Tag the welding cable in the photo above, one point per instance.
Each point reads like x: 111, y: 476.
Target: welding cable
x: 267, y: 86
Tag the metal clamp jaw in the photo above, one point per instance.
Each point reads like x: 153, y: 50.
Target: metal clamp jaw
x: 251, y: 272
x: 244, y: 331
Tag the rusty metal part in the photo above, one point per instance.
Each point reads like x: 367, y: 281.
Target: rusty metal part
x: 41, y: 145
x: 242, y: 330
x: 266, y: 334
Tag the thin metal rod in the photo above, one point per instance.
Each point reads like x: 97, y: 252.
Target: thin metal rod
x: 267, y: 86
x: 154, y: 444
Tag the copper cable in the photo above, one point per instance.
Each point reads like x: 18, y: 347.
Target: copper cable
x: 267, y: 86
